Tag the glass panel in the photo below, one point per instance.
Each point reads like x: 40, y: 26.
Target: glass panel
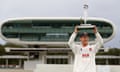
x: 29, y: 37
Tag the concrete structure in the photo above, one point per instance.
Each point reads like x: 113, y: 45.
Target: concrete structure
x: 68, y: 68
x: 31, y: 65
x: 14, y: 70
x: 62, y: 68
x: 8, y: 58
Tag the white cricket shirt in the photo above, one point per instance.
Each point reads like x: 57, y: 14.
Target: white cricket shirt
x: 85, y: 56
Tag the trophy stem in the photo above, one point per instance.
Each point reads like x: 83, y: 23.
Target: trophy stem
x: 85, y: 8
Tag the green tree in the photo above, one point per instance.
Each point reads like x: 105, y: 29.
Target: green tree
x: 2, y: 50
x: 112, y: 51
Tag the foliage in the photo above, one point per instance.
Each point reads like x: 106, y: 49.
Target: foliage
x: 2, y: 48
x: 112, y: 51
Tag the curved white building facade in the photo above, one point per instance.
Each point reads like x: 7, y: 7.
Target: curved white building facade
x: 49, y: 30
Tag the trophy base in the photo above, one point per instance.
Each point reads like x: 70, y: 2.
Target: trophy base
x: 85, y: 26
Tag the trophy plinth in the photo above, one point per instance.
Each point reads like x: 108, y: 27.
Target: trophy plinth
x: 85, y: 26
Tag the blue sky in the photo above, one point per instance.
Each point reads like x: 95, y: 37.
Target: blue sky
x: 108, y: 9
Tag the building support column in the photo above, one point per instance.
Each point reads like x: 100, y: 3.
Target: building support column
x: 107, y: 62
x: 7, y: 63
x: 70, y: 59
x: 43, y: 57
x: 119, y: 61
x: 28, y: 54
x: 20, y: 63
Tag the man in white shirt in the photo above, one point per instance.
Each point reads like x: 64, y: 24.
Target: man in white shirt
x: 84, y: 52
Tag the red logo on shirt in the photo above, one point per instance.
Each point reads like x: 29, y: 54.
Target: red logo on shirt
x: 85, y: 55
x: 90, y: 49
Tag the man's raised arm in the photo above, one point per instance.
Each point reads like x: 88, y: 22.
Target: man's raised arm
x: 71, y: 41
x: 99, y: 40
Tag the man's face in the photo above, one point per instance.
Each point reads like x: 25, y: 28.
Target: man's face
x: 84, y: 39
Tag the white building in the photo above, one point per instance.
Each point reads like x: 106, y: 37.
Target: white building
x: 45, y: 39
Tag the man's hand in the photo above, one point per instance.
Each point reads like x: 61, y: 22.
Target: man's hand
x: 76, y: 29
x: 95, y: 29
